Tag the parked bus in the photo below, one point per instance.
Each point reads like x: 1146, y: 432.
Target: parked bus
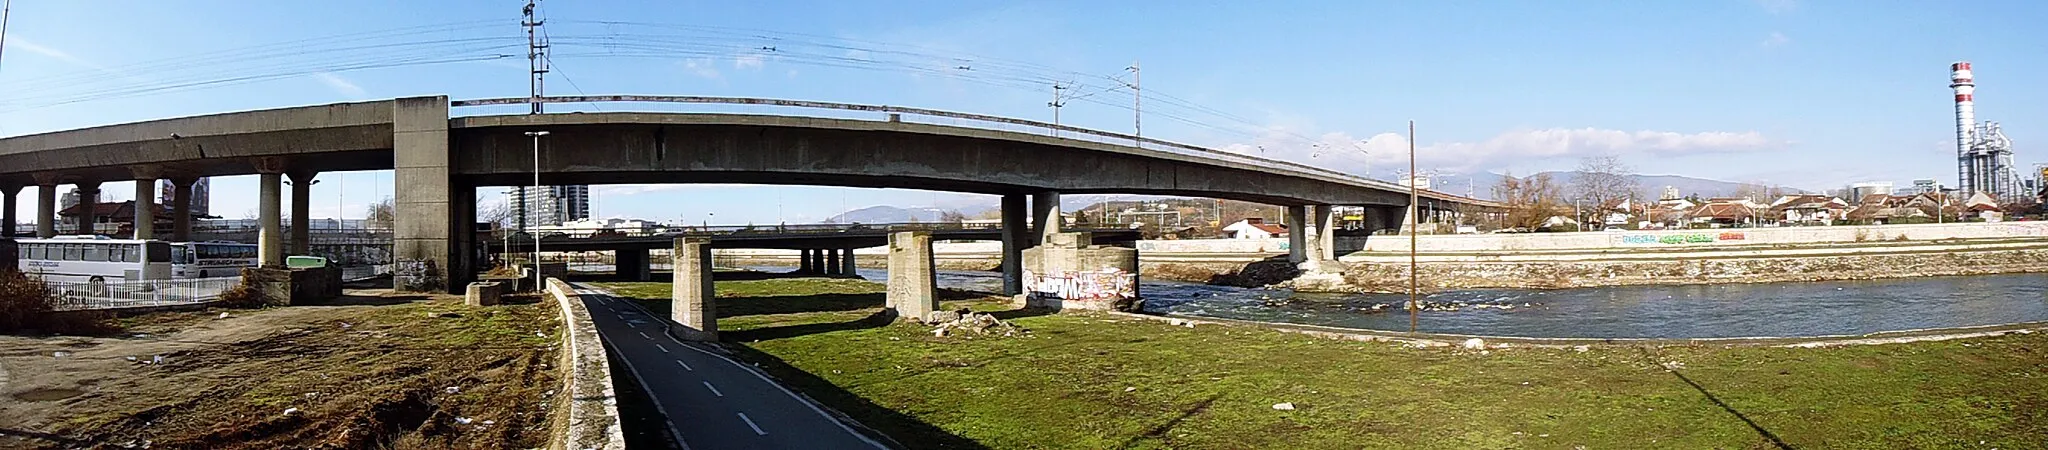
x: 96, y: 260
x: 211, y: 259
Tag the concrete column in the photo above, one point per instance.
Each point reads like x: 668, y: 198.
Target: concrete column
x: 181, y: 209
x: 1325, y: 245
x: 1014, y: 241
x: 913, y: 292
x: 847, y: 266
x: 145, y: 208
x: 832, y: 261
x: 1045, y: 216
x: 1297, y: 234
x: 302, y: 199
x: 88, y: 209
x: 803, y: 260
x: 269, y: 215
x: 9, y: 220
x: 46, y: 211
x: 692, y: 292
x: 423, y: 237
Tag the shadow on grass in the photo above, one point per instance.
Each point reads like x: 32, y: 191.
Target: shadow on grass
x: 366, y: 300
x: 792, y: 304
x: 894, y: 425
x: 877, y: 320
x: 1760, y: 430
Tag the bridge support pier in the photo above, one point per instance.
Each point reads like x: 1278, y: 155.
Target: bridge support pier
x: 1297, y: 234
x: 692, y: 292
x: 1014, y: 241
x: 1045, y: 216
x: 424, y: 240
x: 1067, y: 272
x: 145, y: 206
x: 88, y: 207
x: 46, y: 210
x: 1322, y: 241
x: 270, y: 239
x: 181, y: 209
x: 9, y: 220
x: 832, y: 262
x: 803, y: 261
x: 846, y: 264
x: 913, y: 292
x: 302, y: 220
x: 632, y: 264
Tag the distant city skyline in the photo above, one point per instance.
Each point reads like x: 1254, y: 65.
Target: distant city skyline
x: 1809, y: 94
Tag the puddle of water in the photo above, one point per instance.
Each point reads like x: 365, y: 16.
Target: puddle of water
x: 45, y: 395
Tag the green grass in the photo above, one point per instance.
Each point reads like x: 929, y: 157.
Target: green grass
x: 1097, y: 381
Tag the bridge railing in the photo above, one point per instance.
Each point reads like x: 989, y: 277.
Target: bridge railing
x: 73, y: 296
x: 970, y: 120
x: 728, y: 230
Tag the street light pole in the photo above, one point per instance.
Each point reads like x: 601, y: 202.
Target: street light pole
x: 537, y: 281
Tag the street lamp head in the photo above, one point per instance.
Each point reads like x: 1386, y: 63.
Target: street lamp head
x: 536, y: 133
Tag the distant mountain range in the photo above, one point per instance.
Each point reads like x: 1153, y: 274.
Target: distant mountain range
x: 1479, y: 185
x: 1650, y: 186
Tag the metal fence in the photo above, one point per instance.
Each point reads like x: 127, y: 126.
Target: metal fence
x: 73, y: 296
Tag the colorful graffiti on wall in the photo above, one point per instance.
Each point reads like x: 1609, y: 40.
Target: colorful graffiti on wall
x: 1689, y: 238
x: 1107, y: 284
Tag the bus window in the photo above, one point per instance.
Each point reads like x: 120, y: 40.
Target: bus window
x: 117, y: 252
x: 32, y: 251
x: 158, y: 252
x: 131, y: 253
x: 71, y: 251
x: 180, y: 255
x: 95, y: 252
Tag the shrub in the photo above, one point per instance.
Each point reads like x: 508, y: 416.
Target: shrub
x: 26, y: 304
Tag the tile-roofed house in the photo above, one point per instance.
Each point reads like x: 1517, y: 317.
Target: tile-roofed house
x: 1809, y: 209
x: 1255, y: 228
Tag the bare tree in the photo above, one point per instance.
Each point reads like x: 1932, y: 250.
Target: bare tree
x: 1530, y: 201
x: 952, y: 217
x: 1603, y: 179
x: 380, y: 214
x: 498, y: 214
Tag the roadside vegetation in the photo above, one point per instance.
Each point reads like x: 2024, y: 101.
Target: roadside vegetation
x: 27, y: 306
x: 1102, y: 381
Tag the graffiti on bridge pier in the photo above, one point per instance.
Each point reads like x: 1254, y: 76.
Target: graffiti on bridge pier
x: 1106, y: 284
x: 1690, y: 238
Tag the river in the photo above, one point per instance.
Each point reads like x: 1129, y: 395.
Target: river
x: 1672, y: 312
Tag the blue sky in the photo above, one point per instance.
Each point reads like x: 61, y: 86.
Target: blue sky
x: 1812, y: 94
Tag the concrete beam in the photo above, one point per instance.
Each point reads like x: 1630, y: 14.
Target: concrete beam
x: 1014, y: 240
x: 692, y: 292
x: 913, y: 285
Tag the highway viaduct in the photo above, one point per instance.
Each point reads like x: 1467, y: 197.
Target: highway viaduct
x: 439, y: 160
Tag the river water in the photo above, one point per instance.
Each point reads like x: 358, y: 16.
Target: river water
x: 1687, y: 311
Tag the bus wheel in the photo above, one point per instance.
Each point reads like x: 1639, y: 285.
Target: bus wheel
x: 97, y: 286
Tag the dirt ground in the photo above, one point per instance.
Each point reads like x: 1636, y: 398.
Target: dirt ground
x: 371, y: 371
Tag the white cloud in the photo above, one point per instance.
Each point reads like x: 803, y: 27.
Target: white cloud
x: 61, y: 55
x: 743, y: 62
x: 340, y: 85
x: 1776, y: 39
x: 1778, y: 6
x: 1385, y: 151
x: 702, y: 67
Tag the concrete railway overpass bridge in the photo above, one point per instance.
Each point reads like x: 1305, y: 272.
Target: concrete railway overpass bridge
x: 439, y: 160
x: 825, y: 249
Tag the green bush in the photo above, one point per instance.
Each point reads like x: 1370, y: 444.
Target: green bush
x: 27, y: 305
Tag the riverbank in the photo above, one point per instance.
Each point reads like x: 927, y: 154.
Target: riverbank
x: 1079, y: 380
x: 1387, y: 277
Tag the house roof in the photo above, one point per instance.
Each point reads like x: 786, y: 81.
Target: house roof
x: 1723, y: 210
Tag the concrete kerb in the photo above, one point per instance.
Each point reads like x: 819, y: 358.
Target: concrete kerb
x: 667, y: 327
x: 1502, y: 342
x: 593, y: 404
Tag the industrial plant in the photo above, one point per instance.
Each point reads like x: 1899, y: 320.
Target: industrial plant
x: 1983, y: 153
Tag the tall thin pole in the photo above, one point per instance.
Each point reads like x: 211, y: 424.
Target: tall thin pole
x: 6, y: 10
x: 1137, y: 105
x: 536, y: 55
x: 1057, y: 102
x: 536, y: 188
x: 1414, y: 286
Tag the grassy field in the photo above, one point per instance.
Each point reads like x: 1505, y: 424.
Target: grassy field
x: 1099, y: 381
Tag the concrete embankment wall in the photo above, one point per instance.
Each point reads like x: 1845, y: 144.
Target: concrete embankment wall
x: 1662, y: 240
x: 588, y: 408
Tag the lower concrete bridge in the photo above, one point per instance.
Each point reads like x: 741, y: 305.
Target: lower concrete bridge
x: 823, y: 251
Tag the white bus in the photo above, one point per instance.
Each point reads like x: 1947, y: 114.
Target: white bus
x: 96, y: 260
x: 211, y: 259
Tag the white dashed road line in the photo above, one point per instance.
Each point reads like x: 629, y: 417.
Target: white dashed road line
x: 686, y: 366
x: 643, y: 335
x: 714, y: 389
x: 663, y: 349
x: 750, y: 424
